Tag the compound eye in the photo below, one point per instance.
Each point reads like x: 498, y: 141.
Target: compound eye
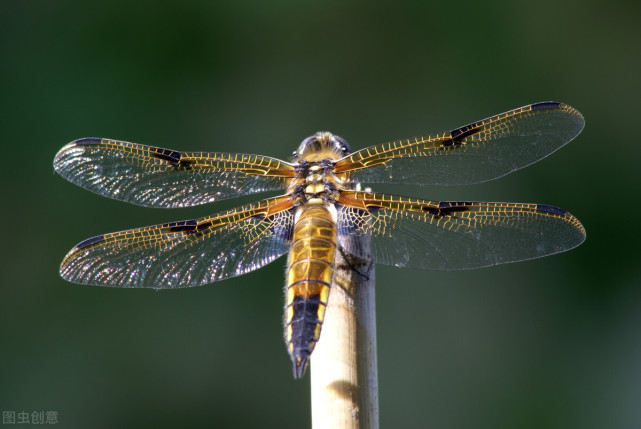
x: 342, y: 145
x: 310, y: 144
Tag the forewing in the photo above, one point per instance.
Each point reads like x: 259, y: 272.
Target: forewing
x: 187, y: 253
x: 156, y: 177
x: 455, y: 235
x: 474, y: 153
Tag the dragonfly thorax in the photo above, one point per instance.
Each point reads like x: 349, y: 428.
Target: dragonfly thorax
x: 315, y: 160
x: 315, y: 182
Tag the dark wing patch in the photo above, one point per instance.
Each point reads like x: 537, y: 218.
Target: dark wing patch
x: 550, y: 209
x: 90, y: 241
x: 543, y: 105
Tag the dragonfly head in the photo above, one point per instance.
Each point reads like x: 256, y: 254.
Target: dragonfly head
x: 321, y: 145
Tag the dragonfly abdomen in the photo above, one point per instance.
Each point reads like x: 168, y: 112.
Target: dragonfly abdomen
x: 309, y: 276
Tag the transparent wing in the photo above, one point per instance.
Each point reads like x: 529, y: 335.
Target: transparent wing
x: 155, y: 177
x: 474, y: 153
x: 186, y: 253
x: 436, y: 235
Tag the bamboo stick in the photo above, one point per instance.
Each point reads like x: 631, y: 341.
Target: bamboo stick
x: 344, y: 378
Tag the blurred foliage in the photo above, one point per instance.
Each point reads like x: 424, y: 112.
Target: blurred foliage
x: 550, y: 343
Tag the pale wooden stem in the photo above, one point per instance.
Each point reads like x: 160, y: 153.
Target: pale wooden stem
x: 344, y: 378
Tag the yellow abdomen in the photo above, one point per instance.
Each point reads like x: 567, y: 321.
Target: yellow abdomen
x: 309, y: 276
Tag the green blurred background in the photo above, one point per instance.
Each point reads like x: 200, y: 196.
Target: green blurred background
x: 549, y: 343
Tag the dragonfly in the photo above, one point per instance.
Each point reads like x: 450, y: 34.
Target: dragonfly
x: 322, y: 207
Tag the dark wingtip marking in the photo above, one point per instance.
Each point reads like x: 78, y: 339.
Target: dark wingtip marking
x: 545, y: 105
x: 87, y: 141
x: 88, y: 242
x: 550, y: 209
